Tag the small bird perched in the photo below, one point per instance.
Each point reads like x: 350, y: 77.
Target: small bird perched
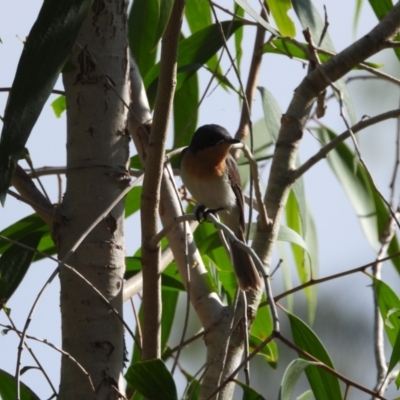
x: 211, y: 175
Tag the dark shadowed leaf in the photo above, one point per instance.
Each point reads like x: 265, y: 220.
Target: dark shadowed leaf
x: 169, y: 300
x: 249, y: 393
x: 45, y: 52
x: 14, y: 263
x: 324, y: 385
x: 152, y: 379
x: 186, y: 102
x: 194, y: 51
x: 7, y: 388
x: 143, y: 37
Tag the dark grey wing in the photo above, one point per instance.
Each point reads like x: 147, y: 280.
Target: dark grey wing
x: 234, y: 179
x: 246, y: 272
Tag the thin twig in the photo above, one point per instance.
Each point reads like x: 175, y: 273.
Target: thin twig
x: 327, y: 368
x: 313, y: 282
x: 323, y: 152
x: 64, y: 353
x: 13, y: 327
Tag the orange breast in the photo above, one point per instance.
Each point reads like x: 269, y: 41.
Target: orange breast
x: 207, y: 163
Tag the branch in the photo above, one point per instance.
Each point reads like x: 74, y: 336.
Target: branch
x: 152, y: 182
x: 32, y: 196
x: 321, y: 154
x: 295, y: 118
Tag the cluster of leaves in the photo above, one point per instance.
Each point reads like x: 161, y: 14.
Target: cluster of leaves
x: 198, y: 50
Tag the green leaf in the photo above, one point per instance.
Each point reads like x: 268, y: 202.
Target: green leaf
x: 152, y: 379
x: 165, y: 7
x: 283, y: 47
x: 143, y: 37
x: 249, y: 393
x: 21, y: 228
x: 308, y: 395
x: 287, y: 234
x: 238, y: 40
x: 324, y: 385
x: 395, y: 357
x: 356, y: 184
x: 193, y: 388
x: 253, y: 13
x: 388, y: 301
x: 198, y: 16
x: 216, y: 258
x: 299, y: 219
x: 389, y: 307
x: 186, y: 101
x: 310, y: 18
x: 262, y: 143
x: 193, y: 52
x: 291, y: 376
x: 59, y: 105
x: 169, y: 301
x: 369, y: 206
x: 14, y: 263
x: 279, y: 9
x: 45, y: 52
x: 381, y: 7
x: 7, y: 388
x: 272, y: 113
x: 260, y: 330
x: 357, y: 15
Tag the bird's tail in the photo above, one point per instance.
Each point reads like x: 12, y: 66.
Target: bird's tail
x: 246, y: 272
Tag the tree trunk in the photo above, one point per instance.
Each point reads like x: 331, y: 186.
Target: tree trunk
x: 96, y: 86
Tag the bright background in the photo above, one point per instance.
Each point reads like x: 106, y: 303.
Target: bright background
x: 344, y: 312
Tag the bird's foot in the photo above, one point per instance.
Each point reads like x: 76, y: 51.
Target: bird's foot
x: 202, y: 212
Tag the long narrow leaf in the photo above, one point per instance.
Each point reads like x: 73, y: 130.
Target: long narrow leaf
x: 45, y: 53
x: 193, y: 52
x: 152, y: 379
x: 143, y: 37
x: 369, y: 206
x: 324, y: 385
x: 279, y: 9
x: 291, y: 376
x: 7, y: 388
x: 186, y: 102
x: 14, y: 263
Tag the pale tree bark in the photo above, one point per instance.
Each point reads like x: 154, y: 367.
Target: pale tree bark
x: 96, y: 87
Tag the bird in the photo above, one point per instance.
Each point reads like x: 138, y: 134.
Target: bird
x: 211, y: 175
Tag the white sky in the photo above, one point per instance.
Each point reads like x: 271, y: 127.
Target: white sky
x: 341, y: 243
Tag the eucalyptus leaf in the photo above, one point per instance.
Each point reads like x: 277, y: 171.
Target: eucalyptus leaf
x: 152, y: 379
x: 15, y: 262
x: 323, y: 384
x: 45, y: 52
x: 291, y: 376
x: 7, y: 388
